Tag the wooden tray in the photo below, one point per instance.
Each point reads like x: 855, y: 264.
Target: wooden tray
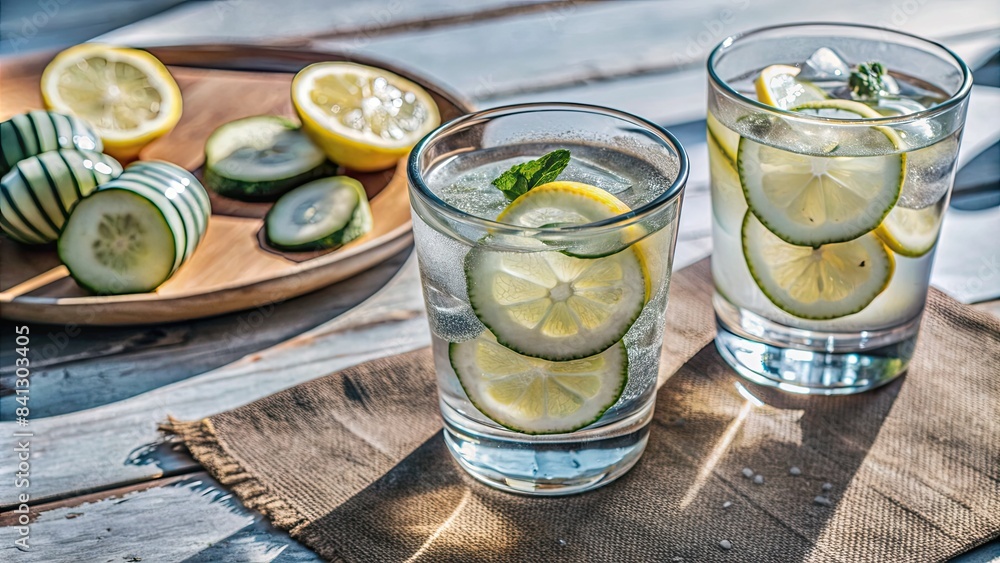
x: 232, y: 269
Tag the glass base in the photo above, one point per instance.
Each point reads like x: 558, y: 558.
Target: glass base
x: 811, y: 362
x: 549, y: 465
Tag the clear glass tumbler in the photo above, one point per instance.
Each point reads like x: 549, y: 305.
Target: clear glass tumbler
x: 547, y: 312
x: 828, y: 194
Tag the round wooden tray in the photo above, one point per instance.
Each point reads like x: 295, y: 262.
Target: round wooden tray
x: 233, y: 268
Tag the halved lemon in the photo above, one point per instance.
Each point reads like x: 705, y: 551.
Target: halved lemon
x: 127, y: 95
x: 832, y: 281
x: 536, y: 396
x: 364, y: 118
x: 777, y: 86
x: 814, y: 200
x: 553, y: 305
x: 911, y: 232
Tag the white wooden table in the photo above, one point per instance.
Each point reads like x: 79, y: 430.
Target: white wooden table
x: 105, y: 487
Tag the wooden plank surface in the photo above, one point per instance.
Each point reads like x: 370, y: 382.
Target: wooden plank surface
x: 565, y: 44
x: 357, y: 21
x: 118, y: 443
x: 77, y: 368
x: 133, y: 524
x: 577, y: 44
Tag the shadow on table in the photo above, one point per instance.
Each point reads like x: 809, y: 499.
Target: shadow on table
x: 671, y: 507
x: 76, y: 368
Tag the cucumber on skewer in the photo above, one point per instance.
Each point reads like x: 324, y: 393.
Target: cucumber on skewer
x: 28, y: 134
x: 321, y: 214
x: 38, y: 194
x: 261, y: 157
x: 134, y: 232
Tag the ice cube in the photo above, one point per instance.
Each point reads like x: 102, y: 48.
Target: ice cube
x: 441, y: 259
x: 929, y: 172
x: 450, y: 318
x: 825, y: 66
x: 889, y: 86
x: 580, y: 170
x: 892, y: 106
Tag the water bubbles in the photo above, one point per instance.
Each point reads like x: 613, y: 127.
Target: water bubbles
x: 441, y: 259
x: 475, y: 195
x: 929, y: 172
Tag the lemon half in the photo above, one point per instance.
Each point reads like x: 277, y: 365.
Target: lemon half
x: 364, y: 118
x: 126, y: 95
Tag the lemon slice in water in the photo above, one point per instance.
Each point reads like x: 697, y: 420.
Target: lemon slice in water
x: 777, y: 86
x: 828, y: 282
x: 814, y: 200
x: 536, y: 396
x: 911, y: 232
x: 551, y: 305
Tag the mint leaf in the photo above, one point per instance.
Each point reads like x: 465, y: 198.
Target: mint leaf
x: 866, y: 80
x: 522, y: 177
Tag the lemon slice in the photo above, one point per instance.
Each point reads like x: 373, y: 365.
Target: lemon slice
x: 828, y: 282
x: 777, y: 86
x: 815, y: 200
x: 364, y: 118
x: 727, y: 139
x: 551, y: 305
x: 728, y: 203
x: 126, y: 95
x: 560, y: 204
x: 911, y: 232
x: 535, y: 396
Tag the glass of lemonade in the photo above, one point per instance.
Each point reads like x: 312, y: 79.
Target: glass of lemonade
x: 545, y: 235
x: 832, y: 153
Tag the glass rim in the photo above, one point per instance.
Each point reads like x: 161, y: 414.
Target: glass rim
x: 666, y: 138
x: 960, y: 95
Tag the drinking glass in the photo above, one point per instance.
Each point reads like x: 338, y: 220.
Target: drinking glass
x: 547, y: 314
x: 827, y: 205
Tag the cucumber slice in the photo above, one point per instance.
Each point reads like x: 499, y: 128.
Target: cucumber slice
x: 134, y: 232
x: 321, y: 214
x: 38, y: 194
x: 118, y: 241
x: 535, y: 396
x: 261, y: 157
x: 39, y: 131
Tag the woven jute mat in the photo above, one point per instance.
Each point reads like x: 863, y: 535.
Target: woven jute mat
x: 353, y: 464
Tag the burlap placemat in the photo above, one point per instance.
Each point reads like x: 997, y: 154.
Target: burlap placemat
x: 353, y: 465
